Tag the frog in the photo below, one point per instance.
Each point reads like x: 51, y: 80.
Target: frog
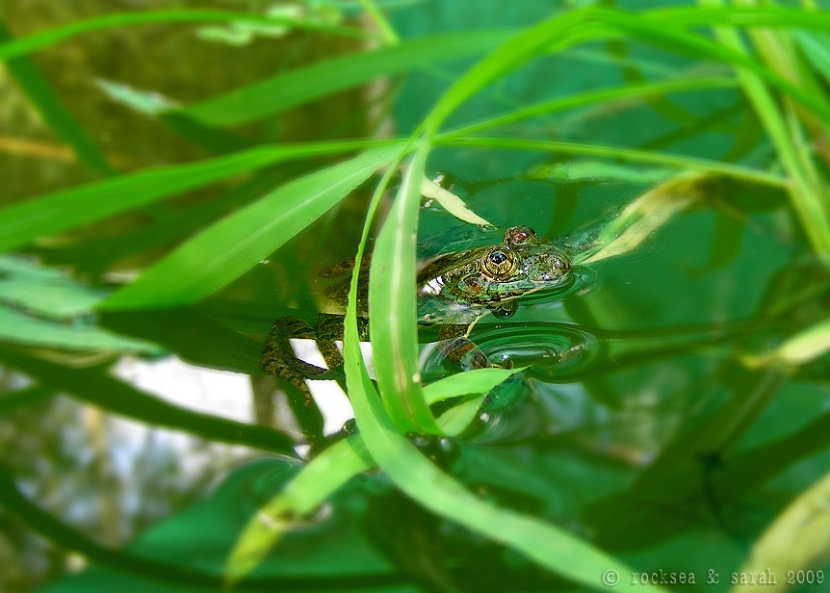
x: 455, y: 291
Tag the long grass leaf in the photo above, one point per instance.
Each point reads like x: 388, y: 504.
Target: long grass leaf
x: 284, y: 91
x: 592, y: 24
x: 336, y: 465
x: 318, y: 480
x: 67, y: 208
x: 551, y: 547
x: 467, y: 383
x: 54, y: 112
x: 37, y: 41
x: 392, y: 301
x: 223, y: 252
x: 816, y: 47
x: 630, y: 154
x: 806, y: 190
x: 614, y: 93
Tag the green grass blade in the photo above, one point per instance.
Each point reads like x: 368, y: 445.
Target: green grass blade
x: 226, y: 250
x: 806, y: 191
x: 53, y: 111
x: 766, y: 16
x: 67, y: 208
x: 816, y: 47
x: 318, y: 480
x: 583, y: 99
x: 10, y: 400
x: 630, y: 154
x: 49, y: 37
x: 285, y: 91
x: 36, y: 333
x: 381, y: 22
x: 551, y: 547
x: 668, y: 36
x: 392, y: 301
x: 592, y: 24
x: 335, y: 466
x: 467, y: 383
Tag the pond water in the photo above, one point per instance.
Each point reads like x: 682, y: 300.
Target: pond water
x: 133, y: 456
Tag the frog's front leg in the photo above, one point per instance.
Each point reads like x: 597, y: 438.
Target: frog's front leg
x: 278, y: 357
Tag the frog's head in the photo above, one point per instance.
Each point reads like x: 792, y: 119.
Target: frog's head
x: 519, y: 266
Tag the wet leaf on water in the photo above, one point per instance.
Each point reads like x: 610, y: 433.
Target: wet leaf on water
x: 451, y: 203
x: 643, y: 216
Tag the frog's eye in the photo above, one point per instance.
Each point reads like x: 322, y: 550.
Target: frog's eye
x: 520, y: 235
x: 499, y: 263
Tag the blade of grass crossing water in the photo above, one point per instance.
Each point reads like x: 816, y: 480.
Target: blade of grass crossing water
x: 564, y: 31
x: 384, y: 26
x: 630, y: 154
x: 279, y: 93
x: 67, y: 208
x: 607, y: 95
x: 37, y: 41
x: 334, y: 467
x: 54, y: 112
x: 805, y: 191
x: 392, y: 301
x: 546, y: 544
x: 226, y: 250
x: 317, y: 481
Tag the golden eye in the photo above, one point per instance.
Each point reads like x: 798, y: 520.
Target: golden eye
x: 499, y: 263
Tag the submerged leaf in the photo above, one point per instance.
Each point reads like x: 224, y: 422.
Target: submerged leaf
x: 798, y: 539
x: 67, y: 208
